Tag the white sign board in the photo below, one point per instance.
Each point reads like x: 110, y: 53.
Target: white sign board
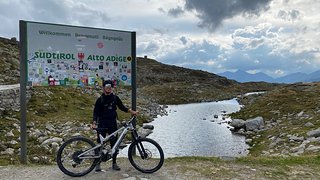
x: 81, y: 56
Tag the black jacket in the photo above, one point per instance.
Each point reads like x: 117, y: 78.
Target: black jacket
x: 104, y: 113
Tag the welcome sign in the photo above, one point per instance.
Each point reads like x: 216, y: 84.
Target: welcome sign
x: 72, y: 55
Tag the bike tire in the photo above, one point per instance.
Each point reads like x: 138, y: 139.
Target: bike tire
x: 67, y: 159
x: 153, y: 159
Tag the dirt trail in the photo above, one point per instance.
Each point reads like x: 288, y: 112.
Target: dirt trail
x: 172, y: 169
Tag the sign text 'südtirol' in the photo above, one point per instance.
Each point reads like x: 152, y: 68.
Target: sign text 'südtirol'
x: 72, y: 55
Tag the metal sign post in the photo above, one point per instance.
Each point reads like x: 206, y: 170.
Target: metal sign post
x: 23, y: 91
x: 134, y: 73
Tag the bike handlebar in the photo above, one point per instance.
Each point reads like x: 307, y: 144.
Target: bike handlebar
x: 124, y: 123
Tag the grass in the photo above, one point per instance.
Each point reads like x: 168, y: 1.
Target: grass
x: 247, y: 167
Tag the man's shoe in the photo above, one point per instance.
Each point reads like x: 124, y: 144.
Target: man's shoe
x: 98, y: 168
x: 115, y: 167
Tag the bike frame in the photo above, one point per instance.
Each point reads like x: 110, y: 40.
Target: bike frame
x: 125, y: 129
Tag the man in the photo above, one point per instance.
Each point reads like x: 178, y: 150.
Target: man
x: 105, y: 116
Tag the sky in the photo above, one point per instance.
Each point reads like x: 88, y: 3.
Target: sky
x: 276, y: 37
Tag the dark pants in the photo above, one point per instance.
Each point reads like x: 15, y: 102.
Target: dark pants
x: 113, y: 141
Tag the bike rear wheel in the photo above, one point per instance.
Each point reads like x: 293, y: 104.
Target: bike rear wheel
x: 146, y: 155
x: 68, y: 159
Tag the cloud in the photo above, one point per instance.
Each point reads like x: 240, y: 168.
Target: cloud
x: 251, y: 37
x: 160, y: 30
x: 212, y: 13
x: 205, y: 55
x: 147, y: 48
x: 290, y: 15
x: 183, y: 40
x: 176, y: 12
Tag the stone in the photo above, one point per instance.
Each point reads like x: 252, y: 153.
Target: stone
x: 148, y: 126
x: 313, y: 148
x: 8, y: 151
x: 10, y: 134
x: 254, y: 124
x: 308, y: 124
x: 295, y: 138
x: 13, y: 142
x: 314, y: 133
x: 52, y: 140
x: 237, y: 123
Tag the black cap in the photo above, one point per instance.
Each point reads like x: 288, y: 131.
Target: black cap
x: 107, y: 82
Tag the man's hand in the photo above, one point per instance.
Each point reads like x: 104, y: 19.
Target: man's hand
x: 93, y: 125
x: 133, y: 113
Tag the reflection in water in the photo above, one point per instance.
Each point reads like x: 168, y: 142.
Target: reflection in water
x: 198, y: 129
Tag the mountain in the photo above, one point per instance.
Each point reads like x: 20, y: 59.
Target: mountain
x: 313, y: 77
x: 293, y: 78
x: 242, y: 76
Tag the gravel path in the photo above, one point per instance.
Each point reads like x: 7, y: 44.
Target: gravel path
x: 173, y: 170
x: 53, y: 173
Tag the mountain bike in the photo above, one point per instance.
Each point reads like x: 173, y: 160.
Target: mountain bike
x: 79, y: 155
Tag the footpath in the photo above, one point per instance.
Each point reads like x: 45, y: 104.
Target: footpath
x: 176, y: 169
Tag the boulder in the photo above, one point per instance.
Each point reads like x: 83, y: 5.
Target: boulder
x: 237, y: 123
x: 254, y: 124
x: 148, y: 126
x: 314, y: 133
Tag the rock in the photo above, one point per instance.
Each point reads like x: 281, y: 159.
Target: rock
x: 35, y: 159
x: 17, y: 126
x: 314, y: 133
x: 300, y: 114
x: 148, y: 126
x: 144, y: 132
x: 52, y: 140
x: 10, y: 134
x: 275, y: 142
x: 299, y: 149
x: 55, y: 146
x: 76, y: 134
x: 313, y: 148
x: 36, y: 133
x: 13, y: 142
x: 237, y: 123
x: 295, y: 138
x: 30, y: 125
x: 49, y: 127
x: 314, y: 139
x: 308, y: 124
x: 8, y: 151
x: 42, y: 139
x: 254, y: 124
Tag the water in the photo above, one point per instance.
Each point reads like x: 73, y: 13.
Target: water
x: 198, y: 129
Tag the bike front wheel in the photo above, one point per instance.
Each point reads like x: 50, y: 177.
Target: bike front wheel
x: 75, y: 158
x: 146, y: 155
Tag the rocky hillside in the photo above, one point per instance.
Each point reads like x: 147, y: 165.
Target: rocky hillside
x: 176, y: 85
x: 282, y: 122
x: 9, y: 61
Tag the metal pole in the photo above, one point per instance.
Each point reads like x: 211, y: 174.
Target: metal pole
x: 23, y: 90
x: 134, y: 74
